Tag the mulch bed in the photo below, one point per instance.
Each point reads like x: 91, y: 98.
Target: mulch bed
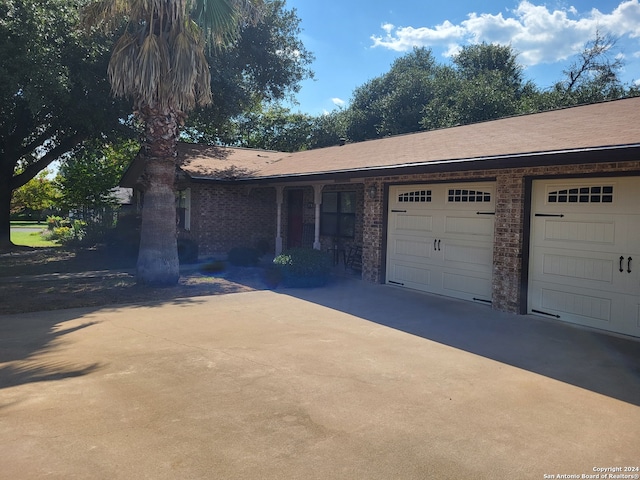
x: 55, y: 278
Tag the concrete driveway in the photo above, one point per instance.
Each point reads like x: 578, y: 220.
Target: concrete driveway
x: 352, y: 381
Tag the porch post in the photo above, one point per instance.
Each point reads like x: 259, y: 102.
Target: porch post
x: 317, y: 197
x: 279, y: 201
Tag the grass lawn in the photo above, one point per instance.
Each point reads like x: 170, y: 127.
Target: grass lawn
x: 29, y: 238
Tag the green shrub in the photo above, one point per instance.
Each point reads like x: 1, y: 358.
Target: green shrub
x: 66, y: 232
x: 243, y: 256
x: 55, y: 222
x: 263, y: 246
x: 215, y: 266
x: 304, y: 267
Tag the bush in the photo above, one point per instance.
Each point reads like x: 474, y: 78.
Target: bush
x: 65, y: 231
x: 304, y: 267
x: 56, y: 222
x: 263, y: 246
x: 243, y: 256
x: 214, y: 266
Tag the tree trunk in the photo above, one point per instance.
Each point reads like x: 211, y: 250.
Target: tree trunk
x: 5, y: 213
x: 158, y: 256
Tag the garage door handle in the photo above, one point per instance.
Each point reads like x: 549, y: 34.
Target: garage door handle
x: 434, y: 244
x: 629, y: 265
x: 621, y: 260
x: 439, y: 248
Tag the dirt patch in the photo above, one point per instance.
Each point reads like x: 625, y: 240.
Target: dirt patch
x: 54, y: 278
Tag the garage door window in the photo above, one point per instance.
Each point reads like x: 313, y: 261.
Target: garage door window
x: 419, y: 196
x: 338, y: 214
x: 599, y: 194
x: 468, y: 196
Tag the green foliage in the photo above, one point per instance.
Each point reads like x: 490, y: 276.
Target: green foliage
x: 66, y: 231
x: 37, y: 195
x: 53, y: 90
x: 243, y: 256
x: 303, y: 267
x: 273, y: 129
x: 265, y: 65
x: 87, y: 179
x: 410, y: 85
x: 329, y: 129
x: 54, y: 221
x: 392, y: 103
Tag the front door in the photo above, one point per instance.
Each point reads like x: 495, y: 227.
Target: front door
x: 295, y: 218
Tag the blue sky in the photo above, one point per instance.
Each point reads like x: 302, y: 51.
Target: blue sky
x: 356, y: 40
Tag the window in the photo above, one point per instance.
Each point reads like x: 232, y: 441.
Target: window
x: 421, y: 196
x: 600, y: 194
x: 338, y: 214
x: 468, y: 196
x: 183, y: 209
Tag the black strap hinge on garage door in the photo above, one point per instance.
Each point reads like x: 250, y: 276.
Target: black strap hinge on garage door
x: 396, y: 283
x: 398, y: 211
x: 485, y: 213
x: 549, y: 215
x: 546, y: 313
x: 481, y: 300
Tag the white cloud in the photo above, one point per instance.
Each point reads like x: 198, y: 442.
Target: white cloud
x: 338, y: 102
x: 539, y: 35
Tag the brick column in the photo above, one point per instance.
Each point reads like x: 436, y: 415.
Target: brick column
x: 373, y: 229
x: 508, y: 242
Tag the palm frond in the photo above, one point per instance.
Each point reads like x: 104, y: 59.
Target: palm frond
x: 160, y: 59
x: 203, y: 79
x: 221, y: 20
x: 122, y: 66
x: 183, y: 70
x: 152, y: 69
x: 103, y: 14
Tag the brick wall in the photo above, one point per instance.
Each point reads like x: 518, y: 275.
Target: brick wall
x: 227, y: 216
x: 509, y: 241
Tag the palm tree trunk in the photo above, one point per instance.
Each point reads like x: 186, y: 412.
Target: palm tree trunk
x: 158, y: 256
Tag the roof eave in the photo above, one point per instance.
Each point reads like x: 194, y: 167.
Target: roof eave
x: 627, y: 152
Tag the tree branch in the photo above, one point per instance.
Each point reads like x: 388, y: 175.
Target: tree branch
x: 32, y: 170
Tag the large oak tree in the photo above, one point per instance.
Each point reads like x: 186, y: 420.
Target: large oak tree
x: 53, y: 92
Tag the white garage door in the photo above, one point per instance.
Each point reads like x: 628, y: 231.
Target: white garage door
x: 440, y: 239
x: 585, y: 252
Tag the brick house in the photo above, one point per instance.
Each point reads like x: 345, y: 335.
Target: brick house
x: 534, y: 214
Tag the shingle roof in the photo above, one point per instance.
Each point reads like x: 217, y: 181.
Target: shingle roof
x: 597, y: 126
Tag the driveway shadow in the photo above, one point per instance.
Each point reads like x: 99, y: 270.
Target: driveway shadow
x: 599, y: 362
x: 24, y: 338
